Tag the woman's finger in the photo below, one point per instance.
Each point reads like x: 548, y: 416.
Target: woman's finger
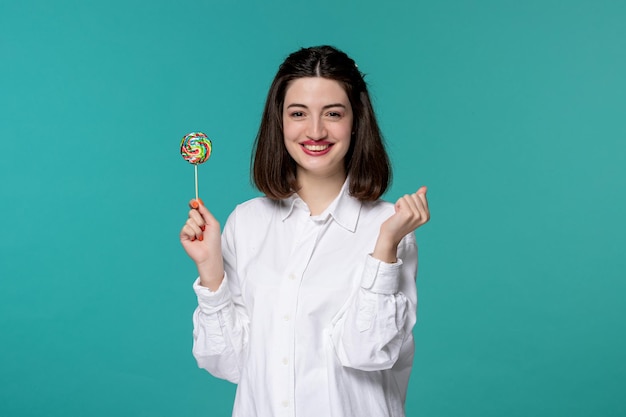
x: 194, y: 204
x: 187, y: 233
x: 415, y: 204
x: 423, y: 197
x: 421, y: 207
x: 193, y: 228
x: 206, y: 215
x: 197, y: 218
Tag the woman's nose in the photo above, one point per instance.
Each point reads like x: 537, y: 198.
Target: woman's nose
x: 317, y: 130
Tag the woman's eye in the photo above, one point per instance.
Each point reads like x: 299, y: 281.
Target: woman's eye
x: 297, y: 114
x: 334, y: 114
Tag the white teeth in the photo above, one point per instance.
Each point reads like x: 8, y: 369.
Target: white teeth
x: 316, y: 148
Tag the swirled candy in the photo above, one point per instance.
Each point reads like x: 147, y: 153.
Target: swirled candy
x: 195, y: 148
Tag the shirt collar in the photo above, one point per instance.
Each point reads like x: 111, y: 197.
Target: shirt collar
x: 287, y: 205
x: 345, y: 209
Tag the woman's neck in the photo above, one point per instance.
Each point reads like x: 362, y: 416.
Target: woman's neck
x: 318, y: 192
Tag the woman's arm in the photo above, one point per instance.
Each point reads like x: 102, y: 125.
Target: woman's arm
x: 376, y: 327
x: 220, y: 322
x: 201, y: 239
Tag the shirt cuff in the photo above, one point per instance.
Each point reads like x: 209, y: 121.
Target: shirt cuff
x: 209, y: 301
x: 381, y: 277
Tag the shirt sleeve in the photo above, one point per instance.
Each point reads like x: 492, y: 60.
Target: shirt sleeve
x: 220, y: 322
x: 375, y: 329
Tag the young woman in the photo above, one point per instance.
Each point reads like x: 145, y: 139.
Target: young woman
x: 307, y: 299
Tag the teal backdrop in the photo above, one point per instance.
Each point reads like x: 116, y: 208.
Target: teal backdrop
x: 512, y: 112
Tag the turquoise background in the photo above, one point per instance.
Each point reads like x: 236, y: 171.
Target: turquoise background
x: 513, y: 113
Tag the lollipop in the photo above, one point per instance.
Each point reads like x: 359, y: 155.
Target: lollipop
x: 195, y: 148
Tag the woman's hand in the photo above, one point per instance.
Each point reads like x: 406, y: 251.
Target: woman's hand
x: 411, y: 213
x: 201, y: 239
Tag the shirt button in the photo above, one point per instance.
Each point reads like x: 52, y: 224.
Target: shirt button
x: 286, y: 317
x: 285, y: 361
x: 285, y: 403
x: 292, y: 276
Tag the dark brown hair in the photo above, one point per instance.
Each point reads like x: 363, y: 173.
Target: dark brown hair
x: 367, y: 164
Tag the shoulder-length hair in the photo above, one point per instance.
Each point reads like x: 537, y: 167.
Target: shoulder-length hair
x: 366, y: 162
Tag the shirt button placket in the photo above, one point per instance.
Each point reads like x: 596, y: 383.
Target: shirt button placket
x: 290, y: 288
x: 290, y: 293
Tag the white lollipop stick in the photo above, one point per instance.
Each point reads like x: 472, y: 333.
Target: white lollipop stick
x: 196, y: 171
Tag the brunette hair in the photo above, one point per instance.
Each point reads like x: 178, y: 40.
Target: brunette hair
x: 366, y: 162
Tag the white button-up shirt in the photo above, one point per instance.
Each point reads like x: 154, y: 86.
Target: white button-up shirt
x: 306, y: 322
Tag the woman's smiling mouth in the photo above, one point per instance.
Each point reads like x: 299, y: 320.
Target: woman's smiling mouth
x: 316, y: 148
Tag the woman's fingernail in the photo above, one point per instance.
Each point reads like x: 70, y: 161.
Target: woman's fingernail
x: 194, y: 204
x: 201, y: 238
x: 202, y: 227
x: 201, y: 202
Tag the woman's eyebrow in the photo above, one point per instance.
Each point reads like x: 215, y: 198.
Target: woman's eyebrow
x: 328, y: 106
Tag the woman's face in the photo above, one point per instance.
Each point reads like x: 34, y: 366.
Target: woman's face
x: 317, y: 125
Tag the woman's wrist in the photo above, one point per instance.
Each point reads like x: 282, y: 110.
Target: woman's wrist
x: 385, y: 250
x: 211, y: 274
